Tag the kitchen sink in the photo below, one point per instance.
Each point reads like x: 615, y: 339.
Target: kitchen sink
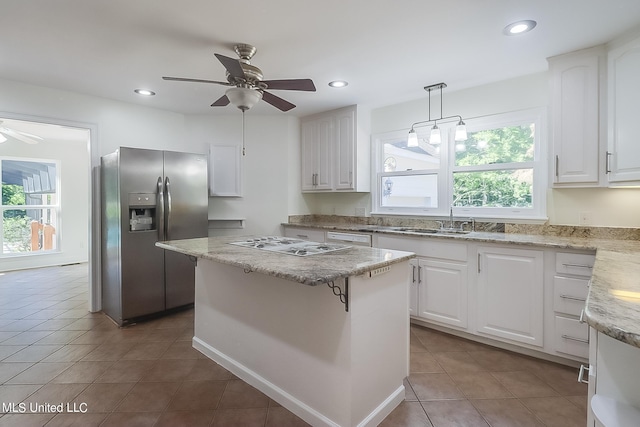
x: 433, y: 230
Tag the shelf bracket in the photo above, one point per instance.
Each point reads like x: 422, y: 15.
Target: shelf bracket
x: 343, y: 295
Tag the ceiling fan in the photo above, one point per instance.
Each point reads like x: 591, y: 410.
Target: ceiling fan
x: 28, y: 138
x: 248, y: 86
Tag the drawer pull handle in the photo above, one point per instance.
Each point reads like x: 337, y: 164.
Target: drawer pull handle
x: 302, y: 236
x: 572, y: 298
x: 567, y: 337
x: 581, y: 374
x: 582, y: 316
x: 577, y: 265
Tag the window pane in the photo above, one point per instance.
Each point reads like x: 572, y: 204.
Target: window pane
x: 493, y: 188
x: 29, y: 230
x: 398, y: 157
x: 415, y: 191
x: 35, y: 179
x: 501, y: 145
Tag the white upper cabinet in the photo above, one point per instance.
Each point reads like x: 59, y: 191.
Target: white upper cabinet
x: 335, y: 152
x: 576, y: 103
x: 623, y: 157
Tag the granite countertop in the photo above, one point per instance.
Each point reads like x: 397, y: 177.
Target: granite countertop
x: 613, y: 303
x: 310, y: 270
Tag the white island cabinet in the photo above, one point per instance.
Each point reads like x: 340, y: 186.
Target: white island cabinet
x: 326, y: 336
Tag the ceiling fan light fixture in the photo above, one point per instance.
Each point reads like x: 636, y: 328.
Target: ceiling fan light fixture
x: 244, y: 98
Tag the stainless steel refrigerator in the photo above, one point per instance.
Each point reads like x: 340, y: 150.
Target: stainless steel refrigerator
x: 149, y: 196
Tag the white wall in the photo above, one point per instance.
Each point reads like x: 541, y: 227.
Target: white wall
x: 271, y: 173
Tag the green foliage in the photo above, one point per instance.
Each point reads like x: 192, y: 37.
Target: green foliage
x: 13, y: 195
x: 17, y: 233
x: 511, y: 188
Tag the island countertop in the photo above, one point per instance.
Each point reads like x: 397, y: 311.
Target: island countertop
x: 310, y: 270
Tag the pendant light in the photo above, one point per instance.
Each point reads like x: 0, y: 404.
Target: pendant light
x: 435, y: 136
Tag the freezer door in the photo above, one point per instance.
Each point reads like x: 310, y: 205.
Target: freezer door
x: 186, y: 196
x: 143, y: 290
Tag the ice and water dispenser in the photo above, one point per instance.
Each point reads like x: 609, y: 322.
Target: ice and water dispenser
x: 142, y: 211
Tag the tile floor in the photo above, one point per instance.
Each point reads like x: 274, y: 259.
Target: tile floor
x: 53, y: 351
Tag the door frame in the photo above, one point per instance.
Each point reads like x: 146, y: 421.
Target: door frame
x: 93, y: 210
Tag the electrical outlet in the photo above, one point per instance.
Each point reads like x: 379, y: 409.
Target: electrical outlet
x: 361, y: 211
x: 585, y: 218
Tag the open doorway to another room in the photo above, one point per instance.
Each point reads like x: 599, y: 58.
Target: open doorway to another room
x: 46, y: 195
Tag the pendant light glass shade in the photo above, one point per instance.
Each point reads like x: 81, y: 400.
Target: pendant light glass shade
x: 412, y: 139
x: 435, y: 138
x: 461, y: 131
x: 243, y: 98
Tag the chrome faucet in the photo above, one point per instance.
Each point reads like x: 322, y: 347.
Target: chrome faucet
x: 451, y: 217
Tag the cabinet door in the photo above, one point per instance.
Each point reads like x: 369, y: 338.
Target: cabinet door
x: 414, y: 265
x: 575, y: 105
x: 442, y: 293
x: 317, y: 139
x: 345, y: 148
x: 309, y: 148
x: 510, y: 294
x: 624, y: 92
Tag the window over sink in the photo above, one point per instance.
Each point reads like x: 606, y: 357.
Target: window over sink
x: 497, y: 172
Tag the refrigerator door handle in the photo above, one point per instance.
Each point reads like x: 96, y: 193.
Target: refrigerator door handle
x: 160, y: 206
x: 167, y: 186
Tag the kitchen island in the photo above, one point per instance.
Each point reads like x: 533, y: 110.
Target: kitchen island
x: 326, y: 336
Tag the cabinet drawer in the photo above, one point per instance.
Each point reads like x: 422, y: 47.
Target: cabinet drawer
x: 569, y: 294
x: 571, y: 337
x: 574, y: 264
x: 425, y: 247
x: 304, y: 234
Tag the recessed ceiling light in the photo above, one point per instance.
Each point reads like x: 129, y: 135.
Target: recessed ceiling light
x: 519, y: 27
x: 338, y: 83
x: 144, y: 92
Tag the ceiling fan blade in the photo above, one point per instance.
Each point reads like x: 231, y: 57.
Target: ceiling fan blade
x: 277, y: 102
x: 232, y: 65
x: 221, y: 102
x: 291, y: 84
x: 19, y: 136
x: 182, y: 79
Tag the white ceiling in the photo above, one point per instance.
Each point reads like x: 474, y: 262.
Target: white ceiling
x: 387, y: 50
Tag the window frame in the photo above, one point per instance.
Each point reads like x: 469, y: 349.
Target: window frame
x: 447, y: 169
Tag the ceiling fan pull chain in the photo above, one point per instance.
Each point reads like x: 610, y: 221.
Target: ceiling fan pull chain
x: 243, y: 151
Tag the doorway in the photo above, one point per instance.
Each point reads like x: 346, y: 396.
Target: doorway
x: 50, y: 161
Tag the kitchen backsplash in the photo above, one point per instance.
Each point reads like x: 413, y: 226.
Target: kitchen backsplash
x: 614, y: 233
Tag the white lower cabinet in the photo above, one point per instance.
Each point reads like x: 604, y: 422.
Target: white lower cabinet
x: 442, y: 292
x: 570, y: 288
x: 439, y: 281
x: 519, y: 297
x: 510, y: 303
